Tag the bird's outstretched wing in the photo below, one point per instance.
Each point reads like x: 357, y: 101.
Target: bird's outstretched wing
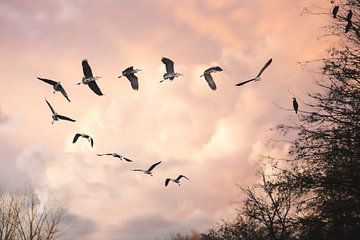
x: 65, y: 118
x: 128, y: 70
x: 137, y: 170
x: 94, y: 87
x: 335, y: 11
x: 216, y: 68
x: 76, y: 137
x: 264, y: 67
x: 127, y: 159
x: 244, y: 82
x: 167, y: 182
x: 169, y: 64
x: 51, y: 108
x: 181, y: 176
x: 153, y: 166
x: 51, y: 82
x: 91, y: 141
x: 62, y: 90
x: 86, y: 69
x: 210, y: 81
x: 133, y: 80
x: 104, y: 154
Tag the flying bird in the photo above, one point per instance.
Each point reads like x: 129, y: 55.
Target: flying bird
x: 349, y: 15
x: 56, y: 85
x: 115, y: 155
x: 89, y: 79
x: 209, y: 78
x: 177, y: 180
x: 90, y: 139
x: 335, y: 11
x: 257, y: 78
x: 57, y: 117
x: 149, y: 170
x: 170, y: 72
x: 295, y: 105
x: 129, y: 73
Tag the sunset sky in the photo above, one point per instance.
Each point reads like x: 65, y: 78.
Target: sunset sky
x: 215, y: 138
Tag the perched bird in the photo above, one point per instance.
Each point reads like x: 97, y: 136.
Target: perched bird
x: 295, y: 105
x: 177, y: 180
x: 257, y: 78
x: 57, y: 117
x: 335, y: 11
x: 170, y: 72
x: 348, y: 26
x: 89, y: 79
x: 90, y: 139
x: 349, y: 15
x: 129, y: 73
x: 209, y: 78
x: 149, y: 170
x: 56, y: 85
x: 115, y: 155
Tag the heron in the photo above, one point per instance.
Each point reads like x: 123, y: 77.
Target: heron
x: 349, y: 15
x: 89, y: 79
x: 56, y: 116
x: 115, y: 155
x: 176, y: 180
x: 335, y: 11
x: 129, y: 73
x: 258, y: 76
x: 148, y: 171
x: 90, y: 139
x: 56, y: 85
x: 209, y: 78
x: 170, y: 72
x: 295, y: 105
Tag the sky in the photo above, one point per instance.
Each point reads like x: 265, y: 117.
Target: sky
x: 215, y: 138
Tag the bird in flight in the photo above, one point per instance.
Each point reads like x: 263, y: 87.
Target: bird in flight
x: 258, y: 77
x: 148, y: 171
x: 56, y: 85
x: 177, y: 180
x: 57, y: 117
x: 90, y: 139
x: 115, y: 155
x: 170, y: 72
x: 209, y: 78
x: 335, y: 11
x: 89, y: 79
x: 129, y: 73
x: 295, y: 105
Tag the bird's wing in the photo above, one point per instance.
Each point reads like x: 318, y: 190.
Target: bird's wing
x: 65, y: 118
x: 169, y: 64
x: 181, y: 176
x: 86, y: 69
x: 216, y: 68
x: 76, y: 137
x: 348, y: 26
x: 349, y: 16
x: 92, y: 142
x: 127, y: 159
x: 244, y: 82
x: 167, y: 182
x: 210, y: 81
x: 62, y: 90
x: 104, y: 154
x: 51, y: 82
x: 137, y: 170
x: 264, y: 67
x: 133, y: 80
x: 153, y: 166
x: 335, y: 11
x: 94, y: 87
x: 51, y: 108
x: 127, y: 70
